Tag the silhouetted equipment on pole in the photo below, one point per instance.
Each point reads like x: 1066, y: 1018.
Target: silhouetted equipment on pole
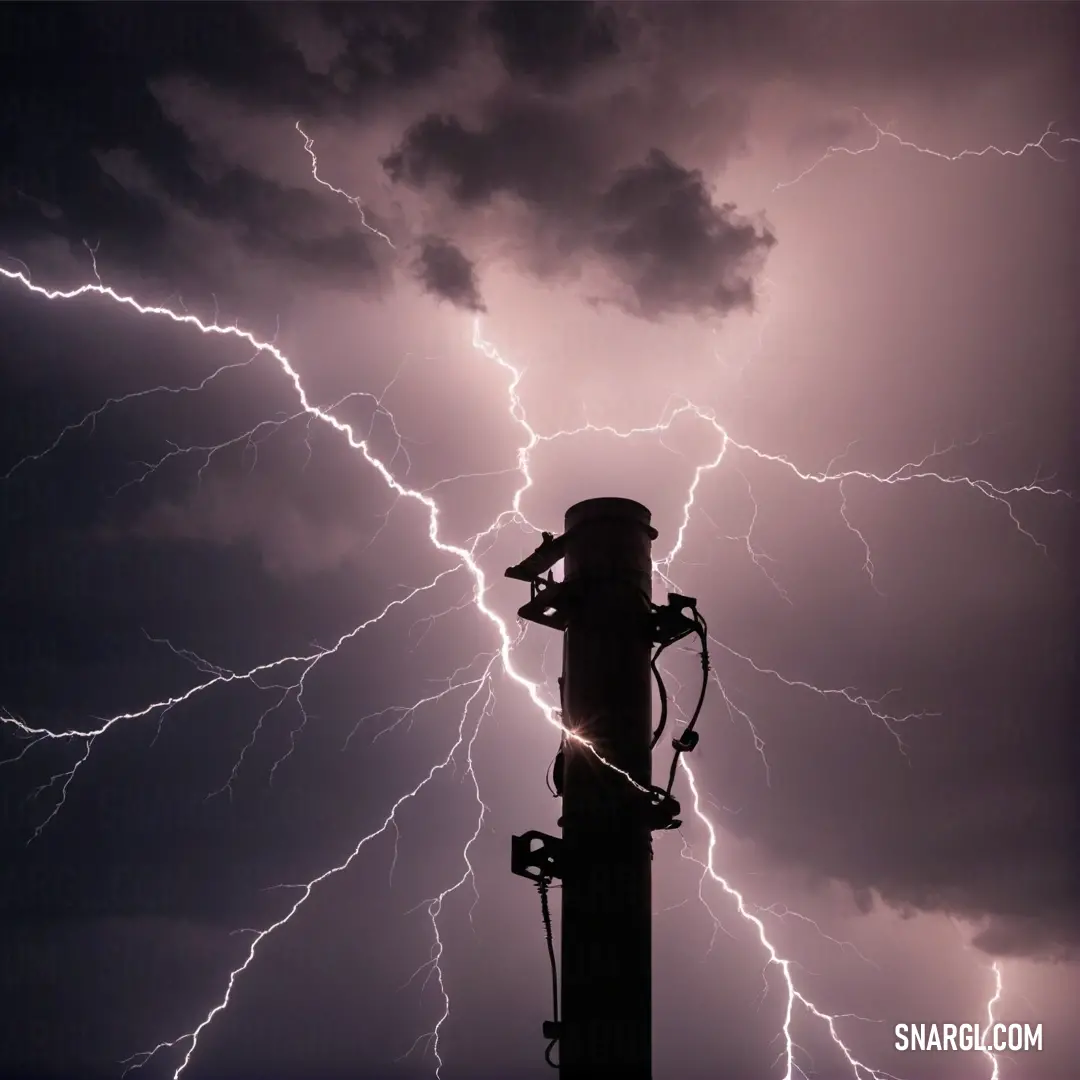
x: 604, y: 608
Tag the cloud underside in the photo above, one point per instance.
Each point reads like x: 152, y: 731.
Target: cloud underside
x: 652, y: 226
x: 446, y: 272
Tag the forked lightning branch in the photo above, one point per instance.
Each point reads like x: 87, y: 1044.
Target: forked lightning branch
x: 989, y: 1039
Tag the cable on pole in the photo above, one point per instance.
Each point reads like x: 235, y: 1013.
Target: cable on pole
x: 551, y: 1030
x: 688, y: 740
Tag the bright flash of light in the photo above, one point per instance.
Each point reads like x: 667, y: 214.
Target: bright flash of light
x: 266, y: 676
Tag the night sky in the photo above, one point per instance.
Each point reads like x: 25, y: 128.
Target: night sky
x: 801, y: 278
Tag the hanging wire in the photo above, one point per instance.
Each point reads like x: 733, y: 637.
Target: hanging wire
x: 549, y: 774
x: 689, y: 738
x: 661, y: 688
x: 543, y: 885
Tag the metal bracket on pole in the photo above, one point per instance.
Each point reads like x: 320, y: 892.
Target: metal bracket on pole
x: 547, y: 598
x: 664, y: 810
x: 669, y: 623
x: 542, y: 559
x: 539, y: 862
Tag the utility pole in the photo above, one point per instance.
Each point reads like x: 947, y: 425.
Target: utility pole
x: 603, y: 606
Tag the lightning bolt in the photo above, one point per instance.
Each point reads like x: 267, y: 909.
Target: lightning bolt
x: 795, y: 997
x: 274, y: 675
x: 464, y: 557
x: 1049, y: 137
x: 309, y: 146
x: 999, y: 988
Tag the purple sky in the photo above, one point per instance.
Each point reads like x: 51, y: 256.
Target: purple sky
x: 827, y: 241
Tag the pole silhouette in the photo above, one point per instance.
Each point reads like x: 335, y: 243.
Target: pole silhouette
x: 604, y: 608
x: 606, y: 953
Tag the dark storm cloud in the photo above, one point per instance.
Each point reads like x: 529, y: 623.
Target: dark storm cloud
x: 674, y: 248
x: 653, y: 225
x: 60, y: 128
x: 541, y: 152
x: 1051, y: 935
x: 391, y: 47
x: 445, y: 271
x: 77, y: 82
x: 921, y: 47
x: 551, y: 41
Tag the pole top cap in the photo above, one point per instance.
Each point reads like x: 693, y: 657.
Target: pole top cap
x: 607, y: 508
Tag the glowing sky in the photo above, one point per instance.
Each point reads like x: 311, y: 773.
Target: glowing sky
x: 533, y: 219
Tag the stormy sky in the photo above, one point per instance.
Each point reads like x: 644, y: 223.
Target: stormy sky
x: 463, y: 230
